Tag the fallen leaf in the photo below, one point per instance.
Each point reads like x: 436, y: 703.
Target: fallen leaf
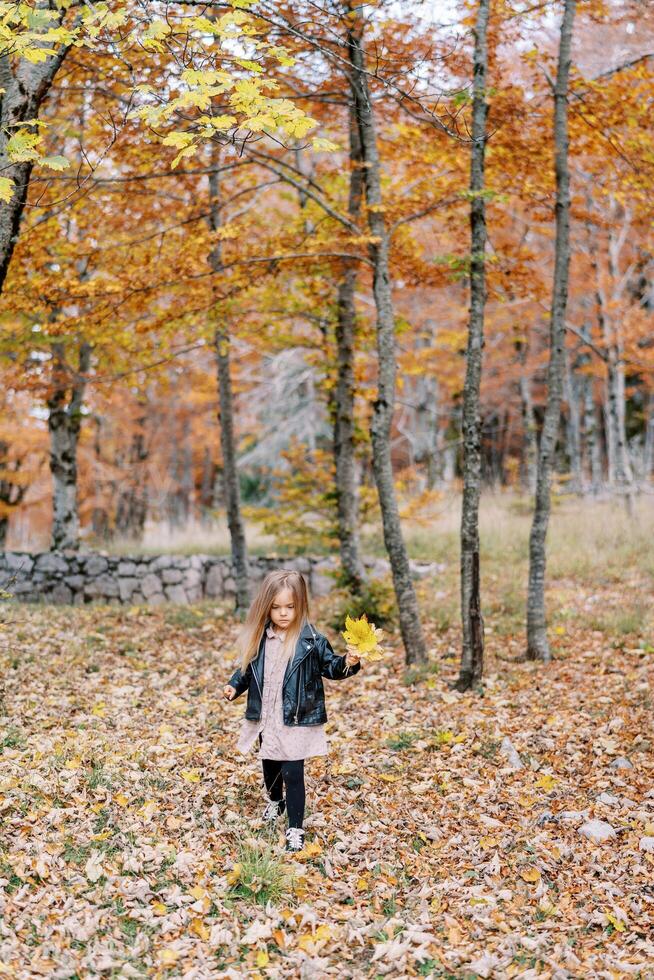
x: 323, y: 932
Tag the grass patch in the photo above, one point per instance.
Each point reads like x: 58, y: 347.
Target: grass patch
x: 262, y: 877
x: 99, y: 776
x: 12, y: 738
x: 376, y: 601
x: 621, y: 621
x: 420, y: 674
x: 505, y: 611
x: 401, y: 741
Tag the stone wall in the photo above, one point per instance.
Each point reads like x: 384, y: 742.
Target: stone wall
x: 80, y: 577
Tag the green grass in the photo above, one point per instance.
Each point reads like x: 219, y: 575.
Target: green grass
x: 633, y: 617
x: 263, y: 877
x: 401, y: 741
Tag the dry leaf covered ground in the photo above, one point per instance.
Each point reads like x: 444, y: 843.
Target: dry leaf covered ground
x: 130, y: 837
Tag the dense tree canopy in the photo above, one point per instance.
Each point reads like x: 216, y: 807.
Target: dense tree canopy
x: 187, y: 183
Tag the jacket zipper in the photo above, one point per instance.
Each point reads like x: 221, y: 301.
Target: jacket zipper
x: 300, y: 662
x: 297, y: 703
x: 258, y: 685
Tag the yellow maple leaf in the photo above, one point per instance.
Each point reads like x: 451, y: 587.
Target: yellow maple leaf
x: 234, y: 875
x: 347, y: 769
x: 191, y: 775
x: 262, y: 958
x: 321, y: 933
x: 6, y: 188
x: 546, y: 782
x: 364, y: 637
x: 617, y: 923
x: 159, y: 908
x: 531, y: 875
x: 200, y: 929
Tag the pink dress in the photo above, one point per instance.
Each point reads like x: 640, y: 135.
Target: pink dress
x: 280, y: 742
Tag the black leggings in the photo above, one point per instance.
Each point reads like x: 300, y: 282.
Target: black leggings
x: 292, y: 775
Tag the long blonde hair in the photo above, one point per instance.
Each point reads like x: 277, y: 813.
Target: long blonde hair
x: 258, y: 615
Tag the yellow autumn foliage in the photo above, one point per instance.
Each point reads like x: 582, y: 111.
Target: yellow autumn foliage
x: 363, y: 637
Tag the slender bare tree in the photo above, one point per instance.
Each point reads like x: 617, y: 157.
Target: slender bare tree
x: 231, y: 487
x: 537, y: 644
x: 64, y: 423
x: 346, y: 477
x: 383, y: 407
x: 472, y: 654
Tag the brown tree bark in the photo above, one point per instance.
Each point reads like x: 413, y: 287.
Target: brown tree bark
x: 593, y: 457
x: 472, y: 652
x: 12, y: 489
x: 132, y: 506
x: 231, y: 485
x: 383, y: 408
x: 23, y: 89
x: 64, y: 422
x: 347, y: 500
x: 537, y: 643
x: 573, y: 430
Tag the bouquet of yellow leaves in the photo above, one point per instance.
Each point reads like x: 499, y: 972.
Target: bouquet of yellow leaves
x: 363, y: 638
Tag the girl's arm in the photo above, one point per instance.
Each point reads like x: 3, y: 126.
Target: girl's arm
x: 333, y: 667
x: 240, y: 681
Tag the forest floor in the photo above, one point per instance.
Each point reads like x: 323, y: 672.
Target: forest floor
x: 130, y: 840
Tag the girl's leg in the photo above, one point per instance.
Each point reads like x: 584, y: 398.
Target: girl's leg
x: 293, y: 773
x: 272, y: 777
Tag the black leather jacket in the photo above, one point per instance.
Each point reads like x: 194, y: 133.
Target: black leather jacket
x: 302, y: 691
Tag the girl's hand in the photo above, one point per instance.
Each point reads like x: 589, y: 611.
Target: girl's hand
x: 229, y: 692
x: 352, y: 658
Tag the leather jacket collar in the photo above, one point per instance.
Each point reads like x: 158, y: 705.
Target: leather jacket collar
x: 305, y: 644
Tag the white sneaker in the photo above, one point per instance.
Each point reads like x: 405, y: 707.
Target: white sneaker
x: 294, y: 839
x: 273, y: 810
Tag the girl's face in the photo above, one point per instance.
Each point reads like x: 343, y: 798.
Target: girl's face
x: 283, y: 609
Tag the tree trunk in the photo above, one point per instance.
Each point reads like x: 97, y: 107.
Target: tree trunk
x: 537, y: 643
x: 207, y: 485
x: 619, y: 472
x: 347, y: 499
x: 23, y: 88
x: 64, y: 422
x: 648, y: 448
x: 226, y: 420
x: 593, y: 455
x: 617, y: 391
x: 425, y: 395
x: 472, y: 651
x: 616, y: 418
x: 529, y: 439
x: 132, y: 506
x: 382, y: 415
x: 573, y: 431
x: 11, y: 490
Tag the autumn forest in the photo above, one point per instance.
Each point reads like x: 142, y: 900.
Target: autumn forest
x: 368, y: 286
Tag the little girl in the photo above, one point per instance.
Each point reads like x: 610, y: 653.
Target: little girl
x: 283, y: 661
